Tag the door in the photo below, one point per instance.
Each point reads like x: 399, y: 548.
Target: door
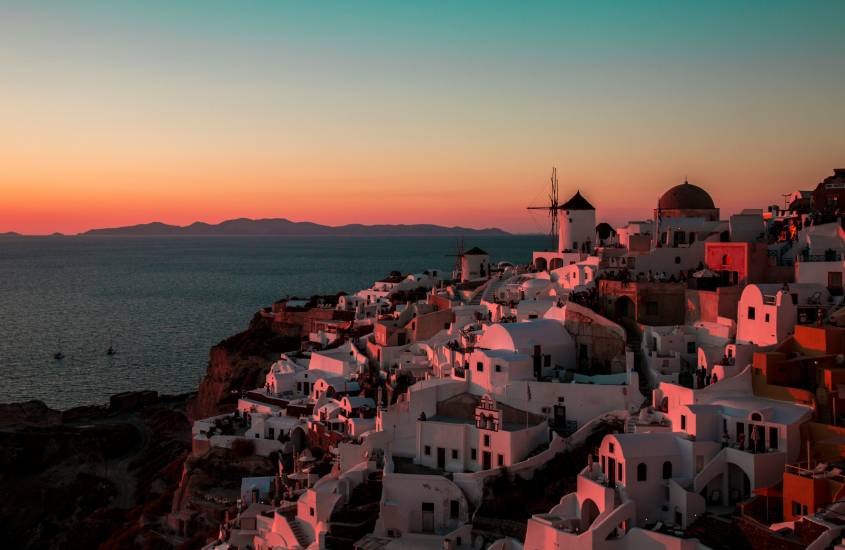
x: 441, y: 458
x: 486, y: 460
x: 538, y: 365
x: 428, y: 517
x: 611, y: 471
x: 560, y: 417
x: 834, y: 282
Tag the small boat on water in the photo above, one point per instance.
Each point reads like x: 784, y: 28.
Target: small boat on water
x: 111, y: 350
x: 58, y: 356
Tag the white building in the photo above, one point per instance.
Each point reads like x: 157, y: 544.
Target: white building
x: 546, y: 341
x: 468, y: 434
x: 768, y: 313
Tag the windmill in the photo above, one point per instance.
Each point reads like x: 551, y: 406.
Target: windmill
x: 553, y: 208
x: 459, y: 253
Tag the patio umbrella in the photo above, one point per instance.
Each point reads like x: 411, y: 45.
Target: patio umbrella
x: 705, y: 273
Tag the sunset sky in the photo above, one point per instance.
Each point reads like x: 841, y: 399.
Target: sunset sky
x: 116, y: 113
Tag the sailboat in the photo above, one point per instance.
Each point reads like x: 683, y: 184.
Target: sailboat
x: 58, y: 356
x: 111, y: 350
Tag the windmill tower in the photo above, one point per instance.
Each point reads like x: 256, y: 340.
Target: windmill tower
x: 552, y: 208
x: 575, y: 230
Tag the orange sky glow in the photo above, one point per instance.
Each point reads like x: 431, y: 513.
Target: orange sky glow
x: 407, y: 114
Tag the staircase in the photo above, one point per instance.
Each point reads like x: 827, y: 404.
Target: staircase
x: 634, y: 342
x: 299, y: 533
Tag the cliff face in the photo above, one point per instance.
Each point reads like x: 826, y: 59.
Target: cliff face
x: 209, y: 486
x: 238, y: 363
x: 89, y: 475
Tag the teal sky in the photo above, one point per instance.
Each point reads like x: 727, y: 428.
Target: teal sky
x: 444, y: 112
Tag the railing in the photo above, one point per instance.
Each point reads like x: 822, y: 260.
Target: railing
x: 797, y: 469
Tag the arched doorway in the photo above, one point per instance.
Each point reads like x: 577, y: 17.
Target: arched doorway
x: 298, y: 439
x: 589, y: 513
x: 739, y: 485
x: 540, y: 264
x: 624, y: 309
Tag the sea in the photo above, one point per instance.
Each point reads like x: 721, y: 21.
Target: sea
x: 162, y: 302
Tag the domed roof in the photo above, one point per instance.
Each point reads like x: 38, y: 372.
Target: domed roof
x: 577, y: 202
x: 686, y: 196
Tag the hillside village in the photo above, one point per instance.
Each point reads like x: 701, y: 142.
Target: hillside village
x: 677, y: 382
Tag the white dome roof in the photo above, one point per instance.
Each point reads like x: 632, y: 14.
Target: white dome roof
x: 535, y: 284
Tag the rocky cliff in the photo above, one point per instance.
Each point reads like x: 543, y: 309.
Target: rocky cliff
x: 238, y: 363
x: 92, y: 475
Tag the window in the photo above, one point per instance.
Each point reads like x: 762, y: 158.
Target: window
x: 677, y: 259
x: 454, y: 509
x: 486, y: 440
x: 547, y: 360
x: 751, y: 313
x: 498, y: 368
x: 756, y: 417
x: 603, y: 464
x: 773, y: 437
x: 642, y: 471
x: 690, y: 347
x: 311, y: 512
x: 500, y: 460
x: 683, y: 422
x: 428, y: 507
x: 619, y: 472
x: 479, y: 366
x: 651, y: 308
x: 726, y: 260
x: 454, y: 454
x: 427, y: 450
x: 446, y: 326
x: 767, y: 317
x: 610, y: 447
x: 667, y: 470
x: 561, y: 400
x: 473, y: 454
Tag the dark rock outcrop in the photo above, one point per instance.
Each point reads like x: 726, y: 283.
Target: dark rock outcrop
x: 89, y: 475
x: 236, y: 364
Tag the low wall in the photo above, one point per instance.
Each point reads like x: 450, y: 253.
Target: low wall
x: 263, y: 447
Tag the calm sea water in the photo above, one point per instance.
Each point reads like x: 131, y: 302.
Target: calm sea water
x: 165, y: 301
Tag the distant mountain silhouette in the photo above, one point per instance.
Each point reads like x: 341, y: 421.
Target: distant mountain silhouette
x: 281, y: 226
x: 10, y: 234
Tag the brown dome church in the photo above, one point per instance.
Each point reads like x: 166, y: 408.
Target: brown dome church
x: 687, y: 201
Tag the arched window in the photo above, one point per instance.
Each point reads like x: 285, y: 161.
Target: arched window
x: 667, y: 470
x: 756, y: 416
x: 642, y: 471
x: 726, y: 260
